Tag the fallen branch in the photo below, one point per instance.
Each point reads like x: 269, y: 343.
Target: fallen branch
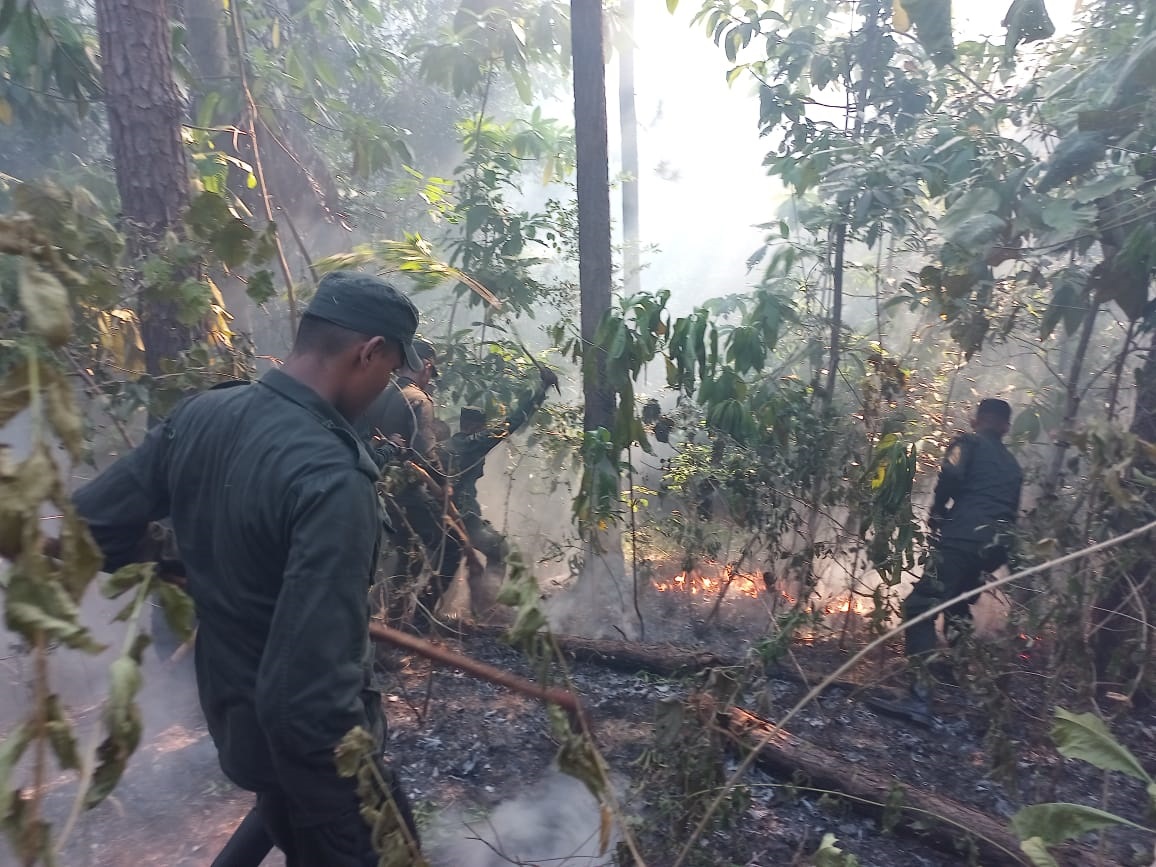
x: 938, y: 821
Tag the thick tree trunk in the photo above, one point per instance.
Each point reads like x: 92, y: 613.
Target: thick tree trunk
x: 595, y: 267
x: 628, y: 123
x: 941, y: 822
x: 144, y: 118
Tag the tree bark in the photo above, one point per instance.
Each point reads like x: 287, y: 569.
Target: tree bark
x: 628, y: 123
x: 152, y: 171
x: 595, y: 267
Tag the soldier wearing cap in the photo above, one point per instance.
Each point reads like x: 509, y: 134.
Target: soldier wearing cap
x: 272, y: 497
x: 464, y: 457
x: 972, y: 522
x: 405, y: 412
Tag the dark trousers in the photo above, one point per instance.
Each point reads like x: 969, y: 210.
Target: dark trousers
x: 951, y: 570
x: 342, y: 843
x: 443, y: 550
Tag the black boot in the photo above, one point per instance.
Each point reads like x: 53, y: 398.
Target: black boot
x: 914, y: 706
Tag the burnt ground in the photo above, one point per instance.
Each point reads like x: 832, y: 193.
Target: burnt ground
x: 463, y: 747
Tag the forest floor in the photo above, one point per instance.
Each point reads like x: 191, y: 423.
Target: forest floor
x: 464, y: 747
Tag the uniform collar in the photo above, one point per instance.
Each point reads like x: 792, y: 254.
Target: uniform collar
x: 302, y: 395
x: 405, y: 381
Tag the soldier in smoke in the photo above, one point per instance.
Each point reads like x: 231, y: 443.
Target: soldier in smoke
x: 972, y: 521
x: 464, y: 455
x: 405, y: 413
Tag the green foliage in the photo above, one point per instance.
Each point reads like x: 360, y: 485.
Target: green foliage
x: 42, y: 593
x: 1084, y: 737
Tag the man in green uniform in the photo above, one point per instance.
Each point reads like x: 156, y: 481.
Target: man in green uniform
x: 972, y: 521
x: 464, y: 456
x: 271, y: 496
x: 405, y: 412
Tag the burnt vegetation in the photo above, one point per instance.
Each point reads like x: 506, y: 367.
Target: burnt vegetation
x: 710, y: 528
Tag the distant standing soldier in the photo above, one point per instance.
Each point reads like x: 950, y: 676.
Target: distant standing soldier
x: 406, y: 411
x: 972, y: 521
x: 464, y: 456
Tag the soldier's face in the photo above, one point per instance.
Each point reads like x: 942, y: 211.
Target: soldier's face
x: 371, y: 367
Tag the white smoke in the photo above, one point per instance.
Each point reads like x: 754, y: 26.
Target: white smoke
x: 555, y: 822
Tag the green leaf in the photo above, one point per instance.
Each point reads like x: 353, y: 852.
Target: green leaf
x: 1037, y: 853
x: 11, y: 750
x: 671, y: 6
x: 260, y: 287
x: 1053, y: 824
x: 972, y: 220
x: 7, y: 10
x: 1084, y: 736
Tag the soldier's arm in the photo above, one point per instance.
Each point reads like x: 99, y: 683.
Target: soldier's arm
x: 525, y: 408
x: 309, y: 683
x: 951, y: 475
x: 121, y: 502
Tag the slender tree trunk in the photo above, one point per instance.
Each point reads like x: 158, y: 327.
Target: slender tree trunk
x: 595, y: 265
x: 152, y: 171
x: 604, y: 595
x: 1071, y: 401
x: 628, y: 122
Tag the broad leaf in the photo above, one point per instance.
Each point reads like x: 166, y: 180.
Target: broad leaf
x: 1084, y: 736
x: 1053, y: 824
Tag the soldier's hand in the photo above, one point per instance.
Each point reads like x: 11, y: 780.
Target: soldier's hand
x: 549, y: 378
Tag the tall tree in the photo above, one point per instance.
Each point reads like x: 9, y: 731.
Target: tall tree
x: 628, y: 123
x: 595, y: 265
x: 603, y: 592
x: 152, y: 173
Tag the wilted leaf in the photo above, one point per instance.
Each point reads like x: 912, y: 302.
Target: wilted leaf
x: 45, y: 302
x: 900, y: 20
x: 28, y: 619
x: 178, y: 608
x: 127, y: 578
x: 122, y: 723
x: 61, y: 411
x: 354, y: 749
x: 14, y: 392
x: 1084, y: 736
x: 1052, y: 824
x: 80, y: 556
x: 60, y: 735
x: 5, y: 112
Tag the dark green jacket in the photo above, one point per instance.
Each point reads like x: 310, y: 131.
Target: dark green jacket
x: 464, y: 455
x: 271, y: 496
x: 981, y: 480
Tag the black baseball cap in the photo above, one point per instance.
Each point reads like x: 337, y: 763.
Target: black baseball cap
x: 368, y: 305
